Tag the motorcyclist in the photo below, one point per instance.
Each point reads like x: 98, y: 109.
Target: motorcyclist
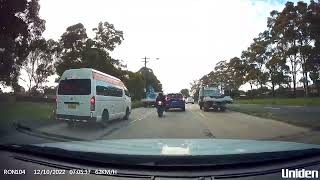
x: 161, y: 98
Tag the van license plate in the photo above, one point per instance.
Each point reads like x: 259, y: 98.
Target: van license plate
x: 72, y: 106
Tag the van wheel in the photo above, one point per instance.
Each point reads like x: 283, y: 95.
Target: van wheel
x: 105, y: 118
x: 126, y: 117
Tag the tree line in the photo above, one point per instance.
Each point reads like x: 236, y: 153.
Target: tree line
x: 23, y: 48
x: 285, y: 53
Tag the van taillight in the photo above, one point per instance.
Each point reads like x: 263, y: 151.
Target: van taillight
x: 92, y: 103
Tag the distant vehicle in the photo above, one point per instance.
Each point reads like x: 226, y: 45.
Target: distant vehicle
x: 175, y: 100
x: 150, y: 100
x: 211, y: 97
x: 190, y: 100
x: 151, y: 96
x: 87, y: 95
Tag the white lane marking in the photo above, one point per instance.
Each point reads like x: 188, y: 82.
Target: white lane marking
x: 139, y: 119
x: 201, y: 115
x: 271, y: 108
x: 135, y: 120
x: 295, y: 106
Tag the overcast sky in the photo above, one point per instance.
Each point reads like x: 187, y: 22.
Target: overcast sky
x: 189, y: 37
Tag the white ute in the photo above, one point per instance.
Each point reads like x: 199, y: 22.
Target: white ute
x: 87, y: 95
x: 211, y: 97
x: 189, y: 100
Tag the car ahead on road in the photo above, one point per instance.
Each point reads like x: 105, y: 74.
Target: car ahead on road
x: 189, y: 100
x: 175, y: 100
x: 87, y: 95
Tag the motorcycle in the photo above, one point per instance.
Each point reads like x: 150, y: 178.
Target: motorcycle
x: 160, y: 108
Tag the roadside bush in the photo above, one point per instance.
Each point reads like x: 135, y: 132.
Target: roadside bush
x: 136, y: 104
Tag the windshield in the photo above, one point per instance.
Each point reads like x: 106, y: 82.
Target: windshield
x: 211, y: 92
x: 91, y: 71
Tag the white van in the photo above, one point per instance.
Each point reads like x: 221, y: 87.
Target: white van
x: 88, y: 95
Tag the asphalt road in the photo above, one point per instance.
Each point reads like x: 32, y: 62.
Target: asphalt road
x: 193, y: 123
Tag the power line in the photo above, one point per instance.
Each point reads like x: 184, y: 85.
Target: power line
x: 145, y: 60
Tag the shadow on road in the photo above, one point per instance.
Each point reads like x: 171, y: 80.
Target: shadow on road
x: 175, y: 110
x: 84, y: 131
x: 216, y: 111
x: 95, y: 126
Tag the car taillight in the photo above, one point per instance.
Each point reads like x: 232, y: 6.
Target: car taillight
x: 92, y: 103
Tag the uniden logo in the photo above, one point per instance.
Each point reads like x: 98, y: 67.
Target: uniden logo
x: 299, y: 173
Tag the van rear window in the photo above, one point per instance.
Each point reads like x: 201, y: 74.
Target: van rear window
x: 75, y: 87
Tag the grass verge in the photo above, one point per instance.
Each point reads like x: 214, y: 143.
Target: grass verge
x: 31, y: 113
x: 295, y: 118
x: 281, y: 101
x: 136, y: 104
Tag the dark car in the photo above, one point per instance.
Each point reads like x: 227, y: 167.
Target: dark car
x: 175, y: 100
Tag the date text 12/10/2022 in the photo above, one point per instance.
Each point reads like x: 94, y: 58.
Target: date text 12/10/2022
x: 61, y: 171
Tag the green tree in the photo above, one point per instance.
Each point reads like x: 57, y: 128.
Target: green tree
x: 150, y: 79
x: 315, y: 73
x: 235, y: 73
x: 19, y: 23
x: 304, y: 41
x: 185, y: 92
x: 194, y: 89
x: 284, y: 29
x: 257, y: 57
x: 50, y: 90
x: 277, y: 70
x: 72, y: 43
x: 107, y: 36
x: 219, y: 75
x: 314, y: 20
x: 251, y: 71
x: 39, y: 63
x: 79, y: 51
x: 135, y: 84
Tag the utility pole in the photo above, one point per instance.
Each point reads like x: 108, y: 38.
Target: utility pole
x: 145, y: 61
